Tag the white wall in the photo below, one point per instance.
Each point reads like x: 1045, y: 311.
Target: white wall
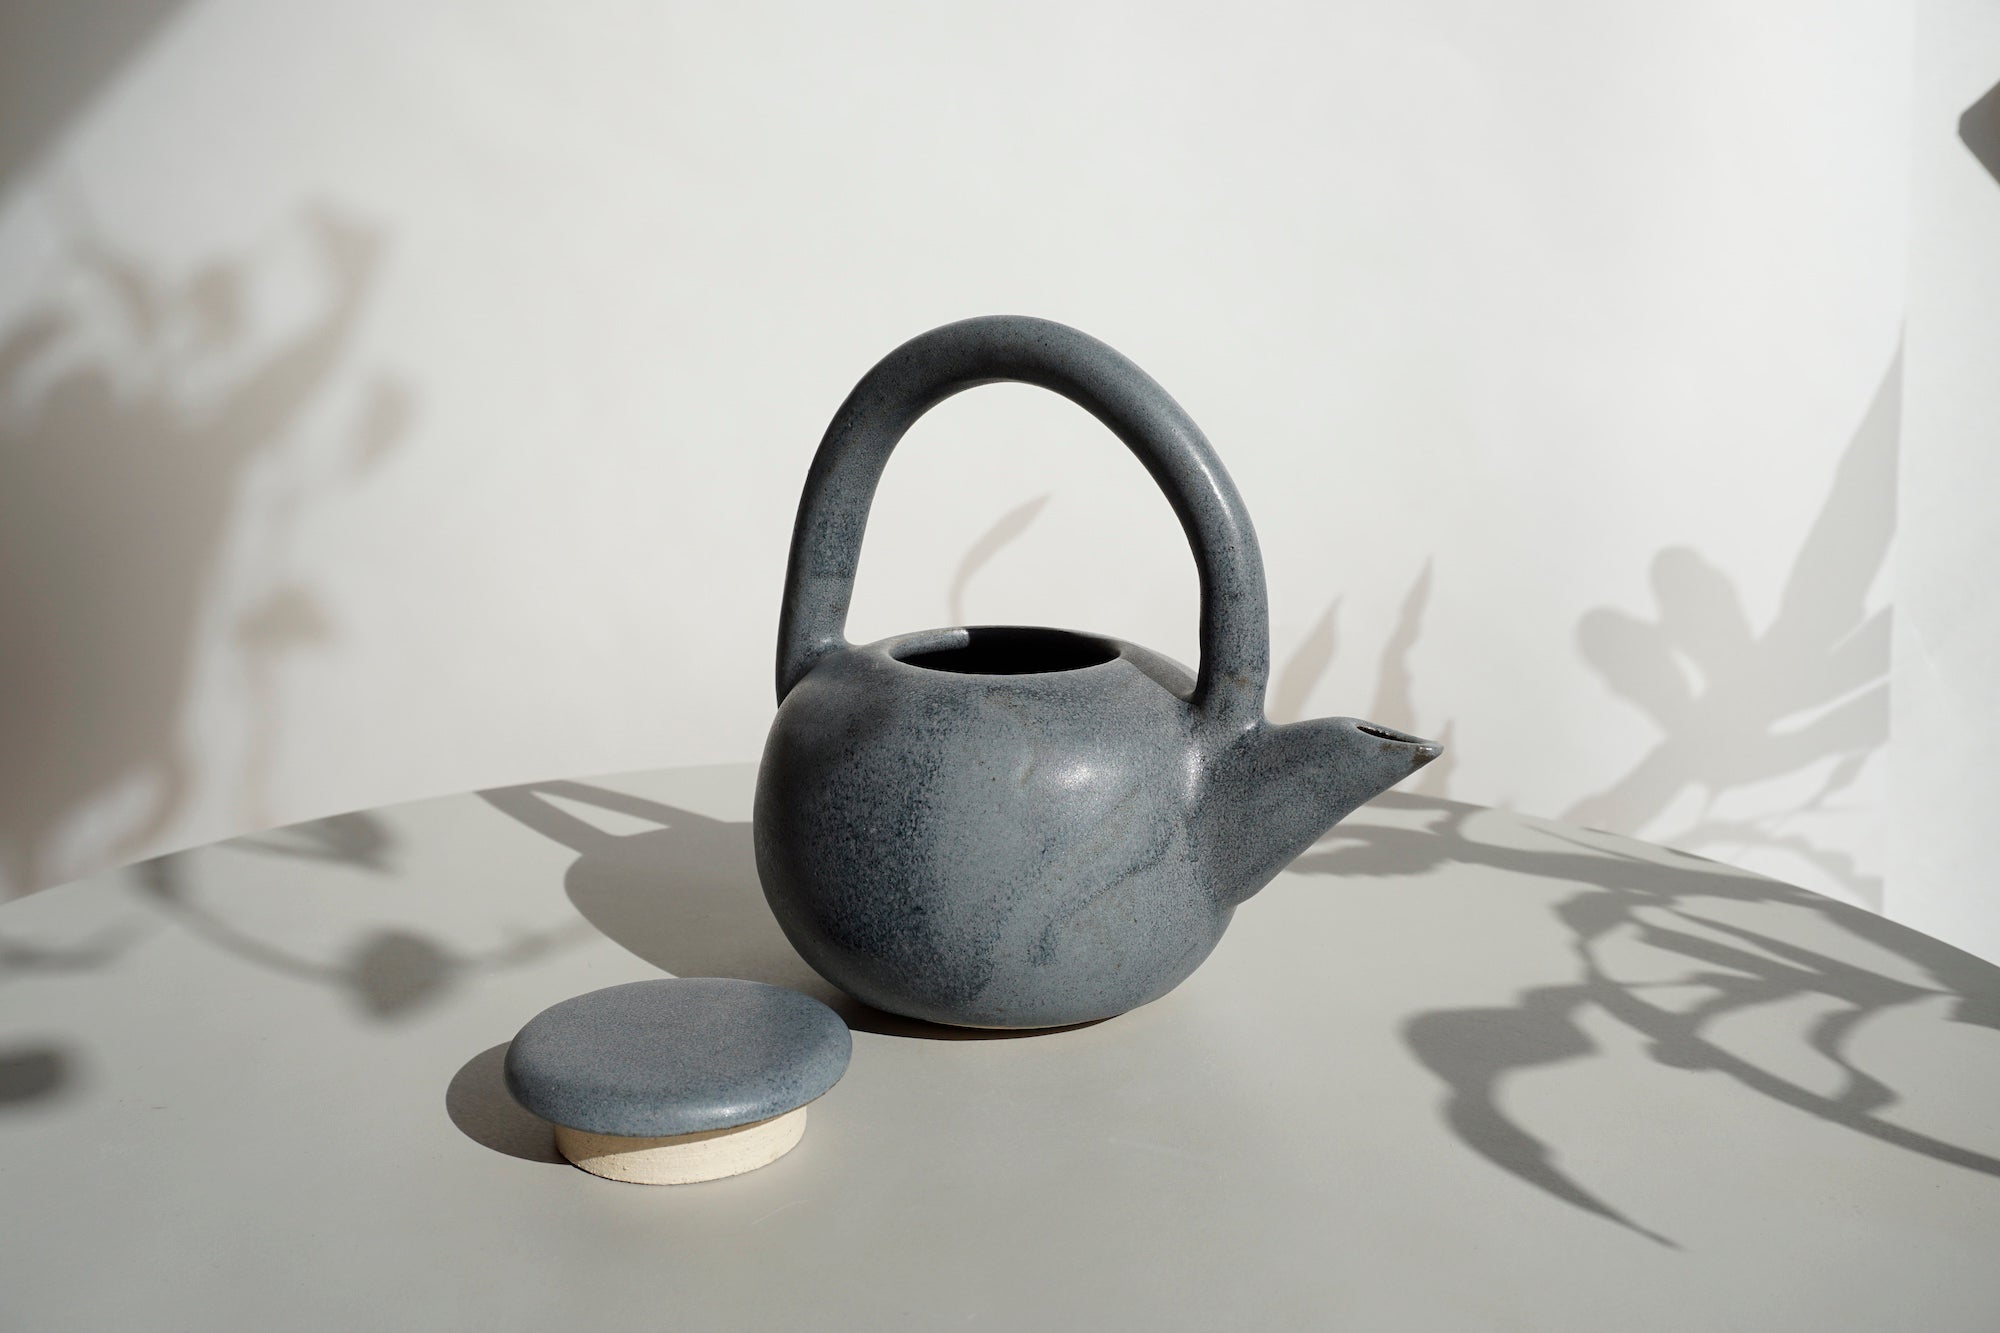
x: 1946, y: 847
x: 429, y: 386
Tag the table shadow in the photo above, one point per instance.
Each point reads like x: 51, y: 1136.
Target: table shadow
x: 684, y: 896
x: 1659, y: 903
x: 31, y: 1074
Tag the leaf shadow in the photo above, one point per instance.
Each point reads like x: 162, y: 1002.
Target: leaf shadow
x: 1736, y: 706
x: 39, y: 1071
x: 389, y: 973
x: 1394, y: 702
x: 136, y: 405
x: 1979, y: 130
x: 1007, y: 529
x: 34, y: 1073
x: 1623, y: 897
x: 359, y: 838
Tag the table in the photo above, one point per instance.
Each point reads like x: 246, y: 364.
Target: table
x: 1455, y: 1069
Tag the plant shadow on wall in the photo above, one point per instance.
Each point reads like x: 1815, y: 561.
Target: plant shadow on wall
x: 57, y: 60
x: 1809, y: 693
x: 1394, y: 703
x: 1979, y: 130
x: 1394, y: 700
x: 1007, y: 529
x: 136, y: 408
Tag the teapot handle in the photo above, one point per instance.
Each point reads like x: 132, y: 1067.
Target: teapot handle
x: 923, y: 372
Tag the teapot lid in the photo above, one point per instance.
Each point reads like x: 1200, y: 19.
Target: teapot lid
x: 676, y: 1056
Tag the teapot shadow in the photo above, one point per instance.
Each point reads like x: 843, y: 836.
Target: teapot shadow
x: 685, y: 897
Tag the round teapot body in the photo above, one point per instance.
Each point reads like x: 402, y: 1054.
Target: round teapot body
x: 989, y: 827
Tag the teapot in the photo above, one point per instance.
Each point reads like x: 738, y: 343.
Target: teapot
x: 1016, y: 827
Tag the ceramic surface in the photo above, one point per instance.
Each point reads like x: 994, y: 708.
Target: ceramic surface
x: 1018, y: 827
x: 676, y: 1056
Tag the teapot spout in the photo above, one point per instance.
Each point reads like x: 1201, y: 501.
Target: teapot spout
x: 1280, y: 788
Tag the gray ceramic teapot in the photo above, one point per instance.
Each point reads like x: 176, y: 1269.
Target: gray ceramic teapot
x: 1012, y: 827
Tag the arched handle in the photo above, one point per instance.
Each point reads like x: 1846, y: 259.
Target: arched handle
x: 923, y: 372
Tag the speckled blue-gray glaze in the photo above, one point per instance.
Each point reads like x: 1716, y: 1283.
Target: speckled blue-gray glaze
x: 997, y: 827
x: 675, y: 1056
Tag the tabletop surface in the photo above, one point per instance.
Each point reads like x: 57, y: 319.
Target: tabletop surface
x: 1455, y: 1069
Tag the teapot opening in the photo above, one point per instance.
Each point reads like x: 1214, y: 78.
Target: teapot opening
x: 1013, y: 650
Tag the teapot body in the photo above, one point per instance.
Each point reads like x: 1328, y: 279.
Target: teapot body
x: 1025, y: 828
x: 989, y: 827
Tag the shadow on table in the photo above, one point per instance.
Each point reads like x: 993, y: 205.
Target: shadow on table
x: 359, y: 838
x: 33, y: 1074
x: 684, y: 896
x: 1659, y: 904
x: 42, y: 1071
x: 388, y: 973
x: 478, y: 1102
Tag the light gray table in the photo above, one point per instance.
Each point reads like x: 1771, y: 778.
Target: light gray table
x: 1454, y: 1070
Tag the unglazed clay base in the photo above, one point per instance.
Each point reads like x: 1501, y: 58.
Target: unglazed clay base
x: 683, y: 1159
